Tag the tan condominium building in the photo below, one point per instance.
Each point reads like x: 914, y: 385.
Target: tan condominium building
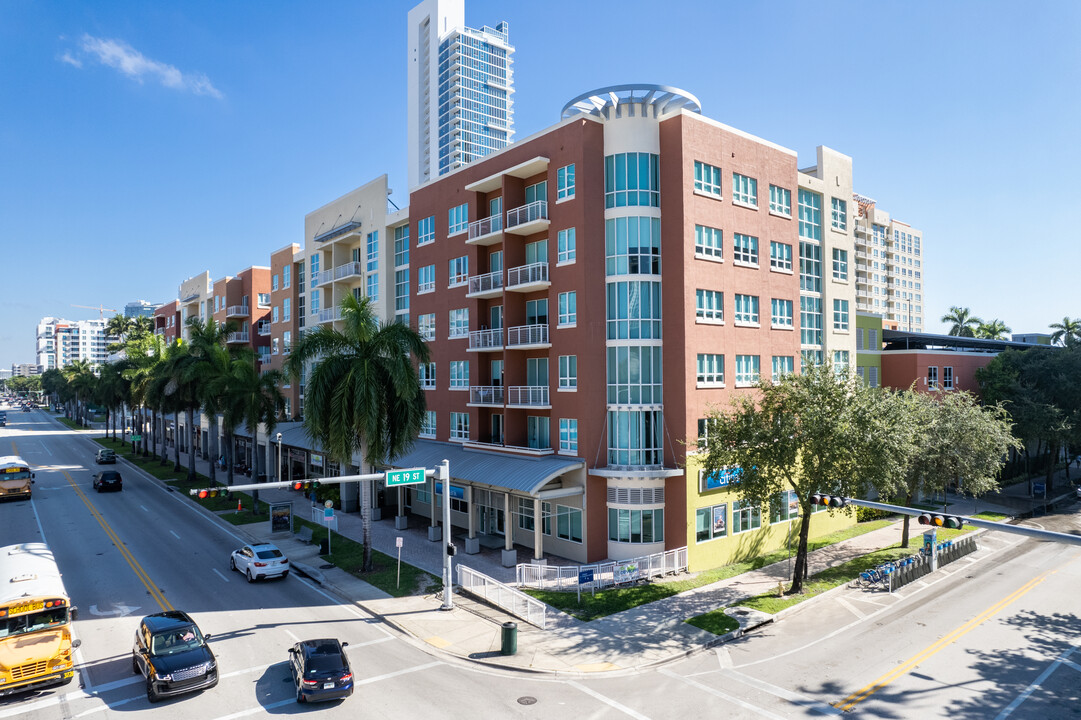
x: 889, y: 268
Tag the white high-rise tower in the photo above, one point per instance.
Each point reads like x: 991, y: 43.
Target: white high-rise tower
x: 460, y: 86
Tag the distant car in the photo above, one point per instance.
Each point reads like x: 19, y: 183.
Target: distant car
x: 260, y: 561
x: 26, y: 408
x: 320, y: 670
x: 108, y: 480
x: 105, y: 456
x: 172, y: 654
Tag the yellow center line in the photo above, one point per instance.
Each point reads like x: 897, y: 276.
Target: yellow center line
x: 857, y: 697
x: 139, y: 572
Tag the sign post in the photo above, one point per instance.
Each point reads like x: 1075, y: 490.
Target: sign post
x: 398, y: 543
x: 584, y: 576
x: 328, y: 515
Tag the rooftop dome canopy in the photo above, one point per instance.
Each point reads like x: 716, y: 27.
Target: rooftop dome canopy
x: 656, y: 99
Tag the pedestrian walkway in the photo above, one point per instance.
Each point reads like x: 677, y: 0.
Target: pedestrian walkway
x: 636, y: 638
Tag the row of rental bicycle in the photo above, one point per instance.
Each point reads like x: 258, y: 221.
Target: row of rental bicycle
x: 898, y: 573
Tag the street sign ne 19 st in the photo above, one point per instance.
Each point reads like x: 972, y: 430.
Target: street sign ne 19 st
x: 409, y: 476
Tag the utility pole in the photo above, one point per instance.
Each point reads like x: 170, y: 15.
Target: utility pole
x: 443, y: 473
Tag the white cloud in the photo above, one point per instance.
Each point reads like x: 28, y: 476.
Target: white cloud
x: 121, y: 56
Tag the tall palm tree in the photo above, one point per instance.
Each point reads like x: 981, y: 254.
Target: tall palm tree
x: 210, y: 360
x: 963, y: 323
x: 110, y: 393
x: 119, y: 326
x: 181, y: 392
x: 52, y: 382
x: 994, y: 330
x: 144, y: 353
x: 80, y: 376
x: 363, y: 393
x: 1066, y: 331
x: 250, y: 397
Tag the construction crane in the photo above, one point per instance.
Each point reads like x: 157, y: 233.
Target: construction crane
x: 100, y: 308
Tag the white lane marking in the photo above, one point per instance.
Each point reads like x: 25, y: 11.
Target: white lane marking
x: 1034, y: 686
x: 723, y: 696
x: 144, y: 508
x: 261, y: 708
x: 220, y: 575
x: 851, y: 608
x: 366, y: 643
x: 607, y: 700
x: 291, y: 634
x: 106, y: 706
x: 406, y: 671
x: 793, y: 697
x: 37, y: 517
x: 175, y: 535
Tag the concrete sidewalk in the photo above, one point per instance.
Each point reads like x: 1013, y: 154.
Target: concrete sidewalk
x: 640, y: 637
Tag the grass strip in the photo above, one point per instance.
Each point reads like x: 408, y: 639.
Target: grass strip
x: 715, y: 622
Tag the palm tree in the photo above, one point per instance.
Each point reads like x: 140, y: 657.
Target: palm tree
x: 994, y: 330
x: 52, y: 381
x: 1066, y: 331
x: 110, y: 393
x: 963, y: 323
x: 250, y: 397
x: 119, y: 326
x: 210, y: 361
x: 144, y: 353
x: 80, y: 376
x: 363, y: 392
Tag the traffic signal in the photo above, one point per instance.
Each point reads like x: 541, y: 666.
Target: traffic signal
x: 298, y: 485
x: 305, y: 485
x: 952, y: 522
x: 833, y: 501
x: 210, y: 493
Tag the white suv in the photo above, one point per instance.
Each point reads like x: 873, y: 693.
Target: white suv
x: 260, y: 561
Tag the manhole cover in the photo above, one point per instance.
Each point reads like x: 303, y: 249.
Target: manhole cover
x: 527, y: 700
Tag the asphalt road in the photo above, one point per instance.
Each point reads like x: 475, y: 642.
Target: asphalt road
x: 990, y: 636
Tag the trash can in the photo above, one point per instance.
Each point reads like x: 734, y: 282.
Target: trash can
x: 324, y: 546
x: 510, y: 639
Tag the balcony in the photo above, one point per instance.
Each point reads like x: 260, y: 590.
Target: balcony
x: 263, y: 329
x: 240, y: 311
x: 528, y: 396
x: 329, y: 315
x: 527, y: 278
x: 237, y: 337
x: 528, y: 337
x: 487, y: 231
x: 528, y: 219
x: 489, y: 285
x: 486, y: 340
x: 527, y: 169
x: 486, y: 395
x: 347, y: 271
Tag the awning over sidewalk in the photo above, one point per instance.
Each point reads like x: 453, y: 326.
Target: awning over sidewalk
x: 511, y: 472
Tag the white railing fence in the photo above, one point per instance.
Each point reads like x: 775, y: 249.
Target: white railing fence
x: 565, y: 577
x: 490, y: 590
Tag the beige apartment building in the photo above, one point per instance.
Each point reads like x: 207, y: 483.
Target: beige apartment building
x: 889, y: 259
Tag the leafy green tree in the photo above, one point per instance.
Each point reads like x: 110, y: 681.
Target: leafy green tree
x: 962, y: 322
x: 955, y: 440
x: 814, y: 432
x: 994, y: 330
x: 363, y: 393
x: 52, y: 382
x: 1066, y: 332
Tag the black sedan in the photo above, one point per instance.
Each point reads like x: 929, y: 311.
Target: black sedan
x: 320, y: 670
x: 108, y: 480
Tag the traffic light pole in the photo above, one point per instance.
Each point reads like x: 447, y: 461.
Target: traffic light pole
x: 1034, y: 533
x: 443, y: 474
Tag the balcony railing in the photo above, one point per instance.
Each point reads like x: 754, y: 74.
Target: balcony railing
x: 528, y: 395
x: 486, y: 395
x: 263, y: 329
x: 485, y: 228
x: 527, y: 335
x: 342, y: 272
x: 237, y: 311
x: 528, y: 277
x: 487, y: 285
x: 528, y: 218
x: 486, y: 339
x: 237, y: 337
x: 329, y: 315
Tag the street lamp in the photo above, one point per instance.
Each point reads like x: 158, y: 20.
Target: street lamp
x: 278, y: 471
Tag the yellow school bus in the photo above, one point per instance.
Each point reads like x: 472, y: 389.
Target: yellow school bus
x: 35, y: 620
x: 15, y: 477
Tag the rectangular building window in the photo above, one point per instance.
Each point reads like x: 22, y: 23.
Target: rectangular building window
x: 565, y: 182
x: 568, y: 372
x: 426, y: 326
x: 426, y: 373
x: 780, y: 201
x: 708, y: 242
x: 746, y: 249
x: 459, y: 426
x: 710, y: 370
x: 274, y: 314
x: 932, y: 377
x: 458, y: 271
x: 707, y: 178
x: 569, y: 522
x: 568, y: 308
x: 287, y: 309
x: 401, y: 291
x: 631, y: 179
x: 745, y: 516
x: 426, y: 279
x: 459, y: 374
x: 287, y: 341
x: 459, y: 323
x: 709, y: 305
x: 840, y: 264
x: 567, y: 249
x: 840, y: 361
x: 746, y: 309
x: 568, y: 434
x: 536, y: 430
x: 536, y: 192
x: 711, y: 522
x: 780, y: 256
x: 636, y: 526
x: 744, y: 190
x: 810, y: 267
x: 287, y: 275
x: 426, y: 230
x: 274, y: 282
x: 783, y: 365
x: 781, y: 315
x: 810, y: 320
x: 525, y: 514
x: 840, y: 315
x: 458, y: 219
x: 810, y: 215
x: 315, y: 302
x: 947, y: 378
x: 427, y: 424
x: 783, y: 506
x: 747, y: 370
x: 840, y: 214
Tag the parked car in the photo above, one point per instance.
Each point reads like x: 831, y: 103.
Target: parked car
x: 320, y: 670
x: 171, y: 653
x: 105, y: 456
x: 260, y: 561
x: 108, y: 480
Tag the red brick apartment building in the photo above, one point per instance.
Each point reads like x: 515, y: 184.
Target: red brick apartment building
x: 244, y: 301
x: 588, y: 293
x: 167, y: 321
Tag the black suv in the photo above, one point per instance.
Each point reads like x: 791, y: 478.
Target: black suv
x: 108, y: 480
x: 172, y: 654
x: 320, y: 670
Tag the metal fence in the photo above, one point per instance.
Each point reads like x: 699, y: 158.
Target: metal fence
x: 514, y: 601
x: 565, y: 577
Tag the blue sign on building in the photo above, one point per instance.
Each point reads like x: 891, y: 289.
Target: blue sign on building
x: 456, y: 493
x: 721, y: 478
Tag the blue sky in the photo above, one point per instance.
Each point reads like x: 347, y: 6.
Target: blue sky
x: 143, y: 143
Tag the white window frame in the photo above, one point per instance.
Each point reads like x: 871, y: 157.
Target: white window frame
x: 744, y: 190
x: 457, y: 219
x: 709, y: 306
x: 568, y: 309
x: 748, y: 370
x: 459, y: 375
x: 568, y: 372
x: 458, y: 271
x: 565, y: 182
x: 709, y: 370
x: 458, y: 323
x: 711, y: 185
x: 746, y: 310
x: 779, y: 320
x: 708, y: 243
x: 566, y: 244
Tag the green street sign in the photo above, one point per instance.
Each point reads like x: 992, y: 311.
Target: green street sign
x: 409, y: 476
x: 136, y: 438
